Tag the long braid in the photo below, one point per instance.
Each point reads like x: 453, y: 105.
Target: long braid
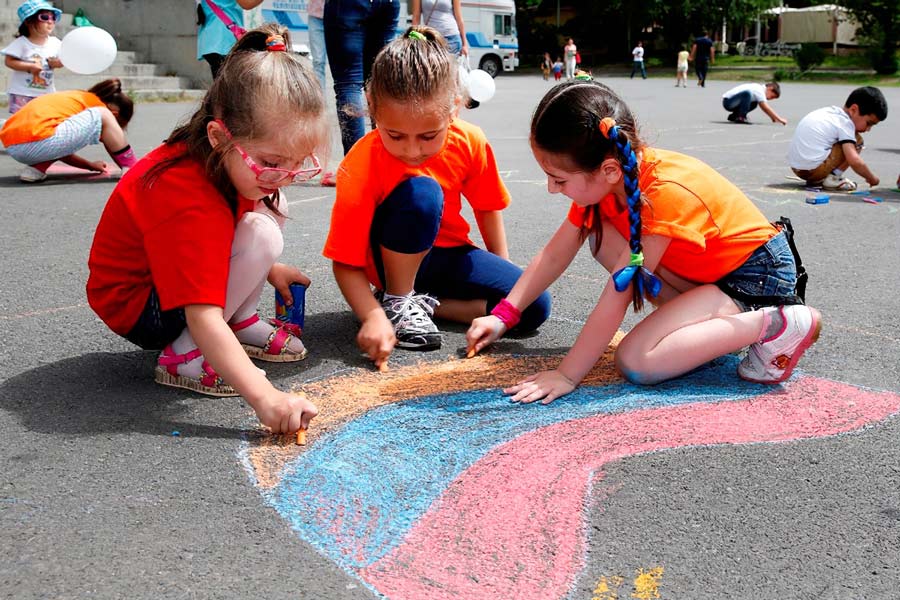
x: 643, y: 281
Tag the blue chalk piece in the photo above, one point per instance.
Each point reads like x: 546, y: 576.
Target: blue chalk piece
x: 818, y: 199
x: 859, y: 193
x: 176, y: 433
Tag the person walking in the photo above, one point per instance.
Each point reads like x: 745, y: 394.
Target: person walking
x: 570, y: 54
x: 637, y: 64
x: 703, y: 53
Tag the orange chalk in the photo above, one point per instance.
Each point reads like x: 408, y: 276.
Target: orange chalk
x: 383, y: 367
x: 301, y: 437
x: 470, y: 353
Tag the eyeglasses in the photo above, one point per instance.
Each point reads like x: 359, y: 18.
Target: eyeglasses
x: 273, y: 175
x: 47, y: 17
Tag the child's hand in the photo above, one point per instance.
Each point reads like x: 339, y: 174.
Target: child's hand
x: 281, y: 276
x: 483, y: 332
x: 97, y: 165
x: 376, y: 338
x: 54, y: 63
x: 873, y: 181
x: 548, y: 385
x: 286, y: 413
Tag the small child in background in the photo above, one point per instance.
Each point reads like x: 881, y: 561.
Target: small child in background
x: 827, y: 141
x: 192, y: 232
x: 743, y: 99
x: 546, y: 65
x: 55, y: 126
x: 403, y: 231
x: 32, y: 56
x: 681, y: 68
x: 557, y: 69
x: 668, y: 228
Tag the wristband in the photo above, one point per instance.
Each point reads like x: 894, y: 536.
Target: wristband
x: 507, y: 313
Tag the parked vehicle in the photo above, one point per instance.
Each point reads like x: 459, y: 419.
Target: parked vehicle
x: 490, y: 30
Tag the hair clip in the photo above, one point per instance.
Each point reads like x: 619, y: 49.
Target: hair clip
x: 417, y: 36
x: 583, y: 76
x: 606, y: 123
x: 275, y: 43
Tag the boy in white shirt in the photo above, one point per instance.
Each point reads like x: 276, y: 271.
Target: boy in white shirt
x: 746, y: 97
x: 827, y: 141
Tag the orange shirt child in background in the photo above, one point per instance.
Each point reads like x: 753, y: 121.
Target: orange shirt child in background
x: 668, y: 227
x: 397, y: 223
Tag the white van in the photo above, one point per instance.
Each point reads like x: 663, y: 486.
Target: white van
x: 490, y: 30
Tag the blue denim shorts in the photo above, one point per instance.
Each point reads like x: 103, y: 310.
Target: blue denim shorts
x: 767, y: 278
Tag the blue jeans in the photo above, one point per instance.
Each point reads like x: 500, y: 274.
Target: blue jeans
x: 355, y: 31
x: 638, y: 65
x: 454, y: 44
x: 740, y: 104
x: 408, y: 221
x: 317, y: 48
x: 767, y: 278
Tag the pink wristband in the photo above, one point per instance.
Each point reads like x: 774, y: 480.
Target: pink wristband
x: 507, y: 313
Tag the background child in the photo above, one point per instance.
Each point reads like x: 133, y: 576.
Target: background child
x: 715, y: 256
x: 827, y: 140
x: 744, y: 98
x: 55, y: 126
x: 32, y: 55
x: 681, y: 68
x: 402, y: 231
x: 557, y: 69
x: 191, y: 233
x: 546, y: 65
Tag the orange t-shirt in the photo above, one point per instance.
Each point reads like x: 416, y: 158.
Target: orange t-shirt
x: 713, y: 226
x: 39, y: 119
x: 174, y: 236
x: 368, y: 174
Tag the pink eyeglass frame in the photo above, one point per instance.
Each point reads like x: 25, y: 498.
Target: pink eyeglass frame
x: 297, y: 176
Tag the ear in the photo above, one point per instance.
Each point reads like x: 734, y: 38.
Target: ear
x: 214, y: 133
x: 611, y: 170
x: 853, y: 110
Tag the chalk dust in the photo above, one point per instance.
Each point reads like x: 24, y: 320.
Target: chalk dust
x: 345, y: 397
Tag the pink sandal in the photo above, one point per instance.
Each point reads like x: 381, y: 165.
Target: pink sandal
x: 209, y: 383
x: 277, y: 348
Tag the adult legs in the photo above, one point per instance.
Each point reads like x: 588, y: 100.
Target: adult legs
x: 739, y: 105
x: 355, y: 30
x: 215, y: 63
x: 570, y: 68
x: 317, y: 48
x: 702, y: 65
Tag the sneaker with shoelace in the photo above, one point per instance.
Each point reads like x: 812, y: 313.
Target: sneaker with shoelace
x: 411, y: 316
x: 772, y: 360
x: 841, y: 184
x: 31, y: 175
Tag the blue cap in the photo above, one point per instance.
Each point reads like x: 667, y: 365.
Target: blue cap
x: 33, y: 7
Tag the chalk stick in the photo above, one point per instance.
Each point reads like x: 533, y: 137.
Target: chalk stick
x: 872, y: 199
x: 301, y: 437
x: 470, y: 353
x: 383, y: 367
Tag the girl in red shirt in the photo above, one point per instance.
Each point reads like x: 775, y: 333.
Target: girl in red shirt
x: 669, y: 228
x: 192, y: 232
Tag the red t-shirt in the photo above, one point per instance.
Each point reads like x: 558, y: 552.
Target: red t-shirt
x: 464, y: 166
x: 713, y: 226
x: 174, y: 236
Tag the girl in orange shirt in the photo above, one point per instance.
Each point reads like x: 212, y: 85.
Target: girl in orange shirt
x: 668, y: 228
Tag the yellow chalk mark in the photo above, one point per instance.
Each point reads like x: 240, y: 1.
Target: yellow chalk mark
x: 607, y: 587
x: 646, y: 584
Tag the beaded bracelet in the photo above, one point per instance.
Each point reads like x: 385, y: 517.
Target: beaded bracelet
x: 507, y: 313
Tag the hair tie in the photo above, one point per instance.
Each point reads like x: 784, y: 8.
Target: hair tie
x: 583, y: 76
x: 606, y: 123
x: 417, y: 36
x: 275, y: 43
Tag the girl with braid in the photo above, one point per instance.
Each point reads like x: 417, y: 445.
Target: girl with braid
x: 670, y: 230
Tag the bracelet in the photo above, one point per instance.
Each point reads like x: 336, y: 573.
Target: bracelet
x: 507, y: 313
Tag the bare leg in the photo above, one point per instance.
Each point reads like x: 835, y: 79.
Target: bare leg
x: 461, y: 311
x: 400, y: 270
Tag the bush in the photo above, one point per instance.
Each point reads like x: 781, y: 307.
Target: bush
x: 809, y: 55
x: 883, y: 61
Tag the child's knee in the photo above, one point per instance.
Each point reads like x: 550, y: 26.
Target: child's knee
x: 258, y: 233
x: 411, y: 215
x: 536, y: 314
x: 632, y: 363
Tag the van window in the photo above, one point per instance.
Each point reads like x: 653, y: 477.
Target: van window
x: 503, y: 25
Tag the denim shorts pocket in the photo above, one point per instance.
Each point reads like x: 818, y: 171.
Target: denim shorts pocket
x: 770, y: 272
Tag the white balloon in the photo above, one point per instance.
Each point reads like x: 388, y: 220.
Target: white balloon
x: 87, y: 50
x: 481, y: 85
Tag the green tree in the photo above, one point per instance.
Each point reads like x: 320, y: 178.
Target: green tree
x: 879, y: 24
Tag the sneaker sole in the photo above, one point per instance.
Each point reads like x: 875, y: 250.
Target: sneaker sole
x: 429, y: 344
x: 163, y: 377
x: 811, y: 338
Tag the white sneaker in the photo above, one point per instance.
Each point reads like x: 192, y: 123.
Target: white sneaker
x: 411, y: 317
x: 31, y: 175
x: 773, y: 360
x: 841, y: 184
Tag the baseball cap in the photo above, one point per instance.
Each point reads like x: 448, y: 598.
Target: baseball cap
x: 32, y: 7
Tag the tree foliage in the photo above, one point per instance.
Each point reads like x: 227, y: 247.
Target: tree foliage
x: 879, y: 22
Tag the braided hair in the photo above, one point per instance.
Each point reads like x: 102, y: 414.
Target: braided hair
x: 585, y: 122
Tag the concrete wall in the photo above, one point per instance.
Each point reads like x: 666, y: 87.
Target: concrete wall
x: 162, y: 31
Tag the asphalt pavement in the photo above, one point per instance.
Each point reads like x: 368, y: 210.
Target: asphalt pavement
x: 115, y: 487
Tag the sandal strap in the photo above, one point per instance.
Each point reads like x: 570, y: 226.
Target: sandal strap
x: 170, y: 360
x: 245, y: 323
x: 278, y: 341
x: 211, y: 379
x: 291, y: 328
